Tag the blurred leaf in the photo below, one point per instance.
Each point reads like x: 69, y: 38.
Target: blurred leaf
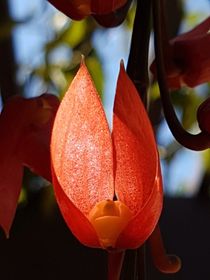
x: 96, y: 72
x: 206, y: 160
x: 130, y: 16
x: 47, y: 202
x: 9, y: 25
x: 171, y: 150
x: 192, y: 19
x: 72, y: 35
x: 75, y: 33
x: 23, y: 197
x: 154, y: 91
x: 188, y: 101
x: 190, y: 108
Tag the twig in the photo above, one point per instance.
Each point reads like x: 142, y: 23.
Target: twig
x: 196, y: 142
x: 137, y: 67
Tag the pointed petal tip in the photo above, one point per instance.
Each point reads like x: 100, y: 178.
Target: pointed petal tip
x: 81, y: 119
x: 6, y: 230
x: 82, y: 60
x: 82, y: 70
x: 122, y: 64
x: 122, y: 68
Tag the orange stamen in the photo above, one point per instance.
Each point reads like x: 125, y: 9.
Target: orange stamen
x: 109, y: 218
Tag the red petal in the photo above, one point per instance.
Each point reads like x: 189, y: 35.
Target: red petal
x: 136, y: 157
x: 143, y: 224
x: 34, y: 148
x: 11, y: 169
x: 115, y: 17
x: 11, y: 172
x: 106, y: 7
x: 76, y: 221
x: 194, y: 58
x: 199, y: 30
x: 191, y: 53
x: 78, y: 9
x: 69, y: 8
x: 81, y: 147
x: 25, y: 127
x: 187, y: 61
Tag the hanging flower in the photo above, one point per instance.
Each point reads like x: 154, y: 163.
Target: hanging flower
x: 25, y: 129
x: 107, y: 184
x: 188, y: 62
x: 107, y: 13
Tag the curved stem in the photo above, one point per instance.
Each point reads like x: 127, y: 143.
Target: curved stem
x: 137, y: 67
x: 165, y: 263
x: 196, y: 142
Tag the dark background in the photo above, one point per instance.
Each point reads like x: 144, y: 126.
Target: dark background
x: 42, y: 247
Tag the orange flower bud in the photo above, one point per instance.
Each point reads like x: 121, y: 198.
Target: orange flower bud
x: 107, y: 184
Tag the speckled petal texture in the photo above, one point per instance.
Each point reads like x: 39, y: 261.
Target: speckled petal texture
x: 137, y: 176
x: 74, y: 218
x: 81, y: 145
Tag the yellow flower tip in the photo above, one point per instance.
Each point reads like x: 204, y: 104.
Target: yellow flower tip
x: 109, y: 218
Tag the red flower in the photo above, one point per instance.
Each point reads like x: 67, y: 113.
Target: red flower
x: 188, y: 62
x: 25, y: 127
x: 108, y: 185
x: 107, y: 13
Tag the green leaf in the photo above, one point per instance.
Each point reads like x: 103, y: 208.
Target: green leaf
x: 96, y: 72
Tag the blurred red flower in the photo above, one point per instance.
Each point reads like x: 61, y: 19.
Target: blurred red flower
x: 107, y: 13
x: 25, y: 130
x: 188, y: 58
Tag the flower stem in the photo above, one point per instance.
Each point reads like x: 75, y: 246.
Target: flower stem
x: 141, y: 263
x: 196, y: 142
x: 115, y: 261
x: 137, y: 67
x: 8, y: 84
